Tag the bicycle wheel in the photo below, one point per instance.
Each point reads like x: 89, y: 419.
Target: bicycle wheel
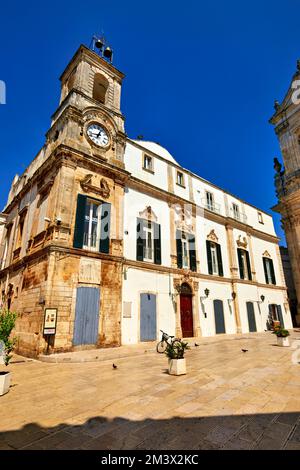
x: 161, y: 347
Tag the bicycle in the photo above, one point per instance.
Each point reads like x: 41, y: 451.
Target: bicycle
x: 165, y: 340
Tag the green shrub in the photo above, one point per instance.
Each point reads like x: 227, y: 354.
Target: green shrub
x: 7, y: 324
x: 281, y: 332
x: 176, y: 350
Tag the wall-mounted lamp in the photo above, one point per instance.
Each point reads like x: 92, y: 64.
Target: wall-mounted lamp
x: 233, y: 297
x: 206, y: 292
x: 262, y: 298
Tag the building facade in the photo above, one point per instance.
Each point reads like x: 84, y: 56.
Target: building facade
x: 289, y: 280
x: 122, y: 241
x: 286, y: 122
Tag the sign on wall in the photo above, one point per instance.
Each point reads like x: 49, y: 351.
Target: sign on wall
x: 50, y: 321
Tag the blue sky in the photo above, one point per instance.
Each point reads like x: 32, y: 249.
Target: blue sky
x: 201, y: 79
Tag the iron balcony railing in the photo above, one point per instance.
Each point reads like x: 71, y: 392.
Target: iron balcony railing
x: 212, y: 207
x: 240, y: 216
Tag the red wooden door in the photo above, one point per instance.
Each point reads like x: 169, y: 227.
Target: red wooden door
x: 186, y: 314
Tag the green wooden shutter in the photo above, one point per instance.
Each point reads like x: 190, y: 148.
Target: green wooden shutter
x: 157, y: 243
x: 209, y: 259
x: 220, y: 263
x: 79, y: 224
x: 105, y: 227
x: 248, y: 265
x: 192, y: 253
x: 140, y: 240
x: 265, y: 270
x: 241, y: 266
x: 179, y: 248
x: 272, y: 272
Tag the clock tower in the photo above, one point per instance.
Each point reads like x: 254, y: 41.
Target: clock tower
x: 89, y: 118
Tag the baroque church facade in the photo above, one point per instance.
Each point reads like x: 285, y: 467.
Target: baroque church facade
x: 122, y: 242
x: 286, y: 122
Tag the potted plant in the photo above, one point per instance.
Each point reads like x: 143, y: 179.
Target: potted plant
x: 7, y: 324
x: 282, y: 336
x: 175, y: 353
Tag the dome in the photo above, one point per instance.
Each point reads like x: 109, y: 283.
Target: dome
x: 157, y: 149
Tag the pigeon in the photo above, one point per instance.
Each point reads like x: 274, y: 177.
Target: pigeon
x: 244, y: 350
x: 114, y: 366
x: 196, y: 344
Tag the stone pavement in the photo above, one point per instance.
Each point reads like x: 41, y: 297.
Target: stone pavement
x: 227, y: 400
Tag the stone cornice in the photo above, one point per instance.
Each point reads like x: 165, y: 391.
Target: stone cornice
x: 192, y: 274
x: 56, y: 248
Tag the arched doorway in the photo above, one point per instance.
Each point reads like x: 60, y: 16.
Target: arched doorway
x: 186, y: 311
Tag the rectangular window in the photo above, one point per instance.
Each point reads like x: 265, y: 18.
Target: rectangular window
x: 236, y: 211
x: 92, y: 227
x: 180, y: 178
x: 244, y: 261
x: 244, y: 264
x: 149, y: 242
x: 210, y: 201
x: 260, y: 218
x: 214, y: 259
x: 20, y: 231
x: 185, y: 251
x: 91, y: 235
x: 148, y: 163
x: 269, y: 271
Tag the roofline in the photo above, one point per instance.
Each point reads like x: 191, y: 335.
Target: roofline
x: 197, y: 176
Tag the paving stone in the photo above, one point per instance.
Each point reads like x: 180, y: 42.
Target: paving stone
x: 225, y: 401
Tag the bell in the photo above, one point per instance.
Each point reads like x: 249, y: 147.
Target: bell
x: 99, y: 43
x: 108, y: 53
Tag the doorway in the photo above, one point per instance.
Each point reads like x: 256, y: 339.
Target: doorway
x: 219, y: 317
x: 251, y: 317
x: 186, y: 311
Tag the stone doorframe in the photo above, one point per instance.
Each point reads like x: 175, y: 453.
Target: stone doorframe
x: 194, y: 285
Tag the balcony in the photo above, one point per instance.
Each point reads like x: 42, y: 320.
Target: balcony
x: 239, y: 216
x: 212, y: 207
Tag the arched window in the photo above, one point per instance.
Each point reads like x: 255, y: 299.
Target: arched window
x: 100, y: 88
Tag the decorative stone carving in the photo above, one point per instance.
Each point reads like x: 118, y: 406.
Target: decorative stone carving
x: 212, y: 236
x: 102, y: 191
x: 242, y: 242
x: 266, y: 254
x: 148, y: 214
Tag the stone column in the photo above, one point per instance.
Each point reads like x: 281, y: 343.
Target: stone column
x: 196, y: 311
x: 178, y: 330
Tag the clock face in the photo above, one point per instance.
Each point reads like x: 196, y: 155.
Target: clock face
x: 98, y: 135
